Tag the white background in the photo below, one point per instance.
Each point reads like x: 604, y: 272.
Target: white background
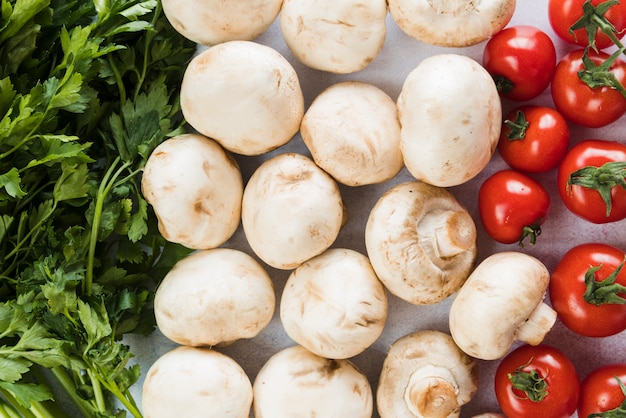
x: 561, y: 231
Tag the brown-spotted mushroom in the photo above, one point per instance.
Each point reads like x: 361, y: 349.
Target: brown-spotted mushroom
x: 425, y: 375
x: 335, y: 36
x: 244, y: 95
x: 421, y: 242
x: 195, y: 188
x: 353, y: 133
x: 501, y: 303
x: 297, y: 383
x: 334, y: 304
x: 292, y: 210
x: 451, y: 23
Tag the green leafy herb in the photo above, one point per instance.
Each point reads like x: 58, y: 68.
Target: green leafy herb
x: 87, y: 90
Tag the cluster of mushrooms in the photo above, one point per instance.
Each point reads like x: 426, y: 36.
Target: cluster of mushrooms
x: 241, y: 97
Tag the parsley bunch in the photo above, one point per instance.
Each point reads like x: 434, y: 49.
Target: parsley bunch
x: 87, y: 91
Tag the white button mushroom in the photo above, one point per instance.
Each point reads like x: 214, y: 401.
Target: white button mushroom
x: 209, y: 22
x: 292, y: 210
x: 338, y: 36
x: 501, y: 302
x: 353, y: 133
x: 214, y: 297
x: 451, y: 117
x: 297, y: 383
x: 425, y: 375
x: 195, y: 189
x: 334, y: 305
x: 244, y: 95
x: 451, y: 23
x: 196, y: 382
x: 421, y: 242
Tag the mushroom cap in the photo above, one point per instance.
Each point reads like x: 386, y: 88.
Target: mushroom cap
x: 214, y: 297
x: 210, y: 22
x: 291, y: 210
x: 451, y: 23
x: 334, y: 305
x: 500, y: 295
x: 244, y: 95
x: 408, y: 356
x: 338, y: 36
x: 353, y: 132
x: 195, y: 188
x: 196, y: 382
x: 295, y: 382
x: 408, y: 244
x: 446, y: 139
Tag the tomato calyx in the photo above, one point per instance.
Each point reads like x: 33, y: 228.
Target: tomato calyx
x: 618, y: 412
x: 605, y: 291
x: 503, y: 84
x: 594, y: 19
x: 532, y: 232
x: 530, y: 382
x: 602, y: 179
x: 517, y: 127
x: 596, y: 76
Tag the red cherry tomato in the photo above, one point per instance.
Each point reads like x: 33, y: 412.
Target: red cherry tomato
x: 521, y: 59
x: 601, y: 391
x: 597, y: 195
x: 534, y: 138
x: 581, y: 104
x: 512, y: 206
x: 588, y: 290
x: 537, y: 381
x: 562, y: 14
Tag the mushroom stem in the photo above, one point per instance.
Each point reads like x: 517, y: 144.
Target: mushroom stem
x: 537, y: 326
x: 432, y: 392
x: 450, y: 232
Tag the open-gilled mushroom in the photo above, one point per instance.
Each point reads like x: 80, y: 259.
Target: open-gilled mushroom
x: 451, y: 117
x: 451, y: 23
x: 196, y: 382
x: 353, y: 133
x: 297, y: 383
x: 334, y: 304
x: 339, y: 37
x: 244, y: 95
x: 210, y: 22
x: 425, y: 375
x: 292, y: 210
x: 195, y: 188
x: 500, y: 303
x: 214, y: 297
x: 421, y: 242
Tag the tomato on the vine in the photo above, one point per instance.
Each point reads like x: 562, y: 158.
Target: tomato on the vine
x: 603, y: 392
x: 534, y: 138
x: 563, y: 14
x: 521, y: 59
x: 592, y: 180
x: 596, y: 106
x: 588, y: 290
x: 512, y: 206
x: 537, y: 381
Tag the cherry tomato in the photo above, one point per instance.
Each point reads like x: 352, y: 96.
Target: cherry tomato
x: 592, y: 180
x: 562, y: 14
x: 521, y: 59
x: 537, y: 381
x: 581, y: 104
x: 588, y: 290
x: 534, y: 138
x: 601, y: 391
x: 512, y: 206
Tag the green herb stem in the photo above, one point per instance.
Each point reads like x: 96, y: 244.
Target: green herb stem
x: 70, y: 389
x: 6, y: 411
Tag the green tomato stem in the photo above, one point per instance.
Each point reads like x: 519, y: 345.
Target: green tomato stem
x: 605, y: 291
